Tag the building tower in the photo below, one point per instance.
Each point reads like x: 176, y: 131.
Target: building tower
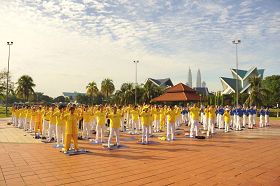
x: 203, y: 84
x: 190, y: 78
x: 198, y: 79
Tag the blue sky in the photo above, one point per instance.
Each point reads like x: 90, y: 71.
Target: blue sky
x: 65, y: 44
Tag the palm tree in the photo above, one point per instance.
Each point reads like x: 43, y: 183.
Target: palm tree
x: 107, y: 87
x: 151, y: 91
x: 25, y: 87
x: 92, y: 90
x: 257, y: 92
x: 128, y: 93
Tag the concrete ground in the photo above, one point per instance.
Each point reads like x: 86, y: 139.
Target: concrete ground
x: 248, y: 157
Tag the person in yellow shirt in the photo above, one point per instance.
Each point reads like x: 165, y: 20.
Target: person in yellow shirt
x: 115, y: 123
x: 71, y: 129
x: 146, y: 122
x: 170, y: 123
x: 134, y: 120
x: 46, y: 119
x: 162, y: 117
x: 100, y: 127
x: 33, y: 119
x: 227, y: 119
x: 52, y: 114
x: 205, y: 118
x: 156, y: 119
x: 59, y: 119
x: 211, y: 120
x: 38, y: 122
x: 87, y: 118
x: 195, y: 114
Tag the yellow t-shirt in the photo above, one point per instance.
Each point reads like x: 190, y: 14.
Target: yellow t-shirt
x: 171, y: 116
x: 194, y: 113
x: 212, y: 113
x: 145, y: 118
x: 87, y: 116
x: 134, y: 115
x: 227, y: 116
x: 71, y: 121
x: 100, y: 118
x: 115, y: 120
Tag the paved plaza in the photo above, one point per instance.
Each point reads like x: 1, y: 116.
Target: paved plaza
x: 249, y: 157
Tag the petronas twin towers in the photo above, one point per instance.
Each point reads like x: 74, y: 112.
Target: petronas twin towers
x: 198, y: 79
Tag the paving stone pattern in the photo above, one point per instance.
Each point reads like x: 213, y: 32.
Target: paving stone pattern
x: 249, y: 157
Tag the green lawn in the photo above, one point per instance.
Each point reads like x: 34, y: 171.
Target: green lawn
x: 274, y: 118
x: 3, y: 112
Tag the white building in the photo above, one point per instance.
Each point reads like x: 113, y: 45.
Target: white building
x: 242, y: 77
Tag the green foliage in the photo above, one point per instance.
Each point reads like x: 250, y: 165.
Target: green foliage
x: 258, y: 94
x: 25, y: 86
x: 92, y: 91
x: 83, y: 99
x: 107, y: 87
x: 272, y: 83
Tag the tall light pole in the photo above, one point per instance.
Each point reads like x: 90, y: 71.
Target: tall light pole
x: 236, y: 42
x: 7, y: 87
x: 135, y: 62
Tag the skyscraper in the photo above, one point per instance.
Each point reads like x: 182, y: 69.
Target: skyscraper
x: 198, y: 79
x: 189, y: 83
x: 203, y: 84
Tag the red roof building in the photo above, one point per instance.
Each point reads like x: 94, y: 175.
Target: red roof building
x: 178, y: 93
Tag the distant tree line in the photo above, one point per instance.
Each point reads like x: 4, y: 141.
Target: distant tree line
x: 262, y: 92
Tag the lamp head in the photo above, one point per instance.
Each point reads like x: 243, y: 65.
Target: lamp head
x: 236, y: 41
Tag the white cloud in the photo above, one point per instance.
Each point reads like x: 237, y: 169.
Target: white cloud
x: 65, y: 44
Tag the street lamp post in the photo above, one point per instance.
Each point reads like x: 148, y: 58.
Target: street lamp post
x: 7, y: 87
x: 135, y: 62
x: 236, y: 42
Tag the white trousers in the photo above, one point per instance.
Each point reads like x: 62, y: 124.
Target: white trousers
x: 26, y: 124
x: 262, y: 121
x: 266, y: 120
x: 194, y: 128
x: 244, y: 120
x: 185, y: 118
x: 112, y: 132
x: 170, y: 131
x: 60, y: 132
x: 45, y: 128
x: 205, y: 122
x: 250, y: 119
x: 211, y: 126
x: 31, y: 125
x: 86, y: 129
x: 145, y: 133
x: 52, y: 130
x: 100, y: 132
x: 221, y: 121
x: 134, y: 126
x: 254, y: 119
x: 156, y: 125
x: 226, y: 126
x: 238, y: 123
x: 21, y: 122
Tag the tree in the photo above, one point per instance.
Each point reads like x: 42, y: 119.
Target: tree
x: 43, y: 98
x: 151, y: 91
x: 92, y: 90
x: 107, y: 87
x: 61, y: 99
x: 3, y: 85
x: 272, y: 83
x: 82, y: 98
x: 25, y: 86
x: 257, y: 93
